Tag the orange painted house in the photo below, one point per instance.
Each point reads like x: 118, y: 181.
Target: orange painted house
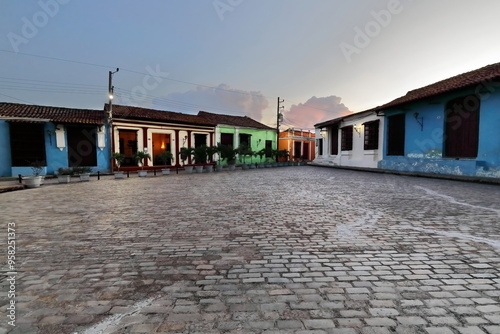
x: 299, y: 143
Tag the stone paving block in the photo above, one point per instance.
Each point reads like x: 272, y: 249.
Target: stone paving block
x: 232, y: 261
x: 470, y: 330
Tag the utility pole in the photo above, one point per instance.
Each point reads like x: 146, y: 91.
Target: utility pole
x: 110, y: 113
x: 279, y: 118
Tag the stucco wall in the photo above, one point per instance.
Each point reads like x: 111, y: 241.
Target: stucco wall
x: 5, y: 160
x: 358, y: 156
x: 56, y: 152
x: 258, y: 139
x: 424, y: 145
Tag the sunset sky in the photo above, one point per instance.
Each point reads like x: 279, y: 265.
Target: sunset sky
x: 325, y: 58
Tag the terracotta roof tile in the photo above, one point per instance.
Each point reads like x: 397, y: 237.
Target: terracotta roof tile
x: 120, y: 111
x: 242, y: 121
x: 476, y: 77
x: 32, y: 113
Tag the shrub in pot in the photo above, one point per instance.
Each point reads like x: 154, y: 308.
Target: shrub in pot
x: 118, y: 157
x: 166, y: 158
x: 140, y: 157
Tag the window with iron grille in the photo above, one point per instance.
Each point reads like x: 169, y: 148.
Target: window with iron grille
x: 346, y: 140
x: 371, y: 135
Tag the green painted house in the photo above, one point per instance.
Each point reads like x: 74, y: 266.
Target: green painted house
x: 237, y: 131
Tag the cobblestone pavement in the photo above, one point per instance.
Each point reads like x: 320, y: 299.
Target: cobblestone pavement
x: 280, y: 250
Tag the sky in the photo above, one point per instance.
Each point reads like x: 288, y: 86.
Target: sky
x: 324, y: 58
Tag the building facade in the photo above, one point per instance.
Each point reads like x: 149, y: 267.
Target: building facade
x: 242, y: 131
x: 53, y: 138
x: 450, y: 127
x: 355, y: 140
x: 155, y: 131
x: 299, y: 143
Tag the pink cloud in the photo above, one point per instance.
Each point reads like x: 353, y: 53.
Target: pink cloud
x: 314, y: 110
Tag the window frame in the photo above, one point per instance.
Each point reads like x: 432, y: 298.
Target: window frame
x: 27, y: 144
x: 346, y: 140
x: 371, y: 135
x: 334, y: 140
x: 461, y: 128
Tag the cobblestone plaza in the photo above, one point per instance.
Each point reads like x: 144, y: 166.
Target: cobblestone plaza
x: 303, y: 250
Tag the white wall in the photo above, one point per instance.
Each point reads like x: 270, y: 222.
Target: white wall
x: 358, y: 156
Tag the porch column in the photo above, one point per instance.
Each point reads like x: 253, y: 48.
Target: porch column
x: 176, y: 149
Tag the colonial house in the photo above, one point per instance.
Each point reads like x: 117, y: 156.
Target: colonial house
x: 155, y: 131
x: 53, y: 137
x: 299, y: 144
x: 237, y: 131
x: 449, y: 127
x: 355, y: 140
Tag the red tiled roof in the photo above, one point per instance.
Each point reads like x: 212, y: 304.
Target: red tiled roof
x: 242, y: 121
x: 130, y: 112
x: 33, y: 113
x: 476, y: 77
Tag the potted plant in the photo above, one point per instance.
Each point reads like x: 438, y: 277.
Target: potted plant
x: 211, y: 150
x: 244, y: 151
x: 282, y: 158
x: 166, y: 157
x: 218, y: 149
x: 252, y: 164
x: 64, y: 175
x: 35, y: 180
x: 229, y: 154
x: 83, y: 173
x: 274, y: 156
x: 139, y: 157
x: 185, y: 153
x: 119, y: 157
x: 261, y: 155
x: 200, y: 157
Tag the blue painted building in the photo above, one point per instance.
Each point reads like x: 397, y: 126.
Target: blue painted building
x: 450, y: 127
x: 52, y: 137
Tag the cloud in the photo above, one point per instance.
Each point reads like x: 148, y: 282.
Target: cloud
x: 221, y: 99
x: 314, y: 110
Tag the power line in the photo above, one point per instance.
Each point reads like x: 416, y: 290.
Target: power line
x: 134, y: 71
x: 15, y: 98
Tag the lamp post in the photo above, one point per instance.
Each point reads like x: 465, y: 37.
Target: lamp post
x: 279, y: 118
x: 110, y: 114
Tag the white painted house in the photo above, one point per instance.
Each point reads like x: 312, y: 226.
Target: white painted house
x: 355, y: 140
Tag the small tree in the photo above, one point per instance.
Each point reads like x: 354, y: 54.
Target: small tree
x: 219, y: 149
x: 140, y: 156
x: 165, y: 157
x: 119, y: 157
x: 185, y: 153
x: 229, y: 154
x: 200, y: 154
x: 261, y: 154
x: 244, y: 151
x: 211, y: 150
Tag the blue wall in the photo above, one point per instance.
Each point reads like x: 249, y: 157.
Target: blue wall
x: 5, y: 161
x: 424, y: 147
x: 55, y: 157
